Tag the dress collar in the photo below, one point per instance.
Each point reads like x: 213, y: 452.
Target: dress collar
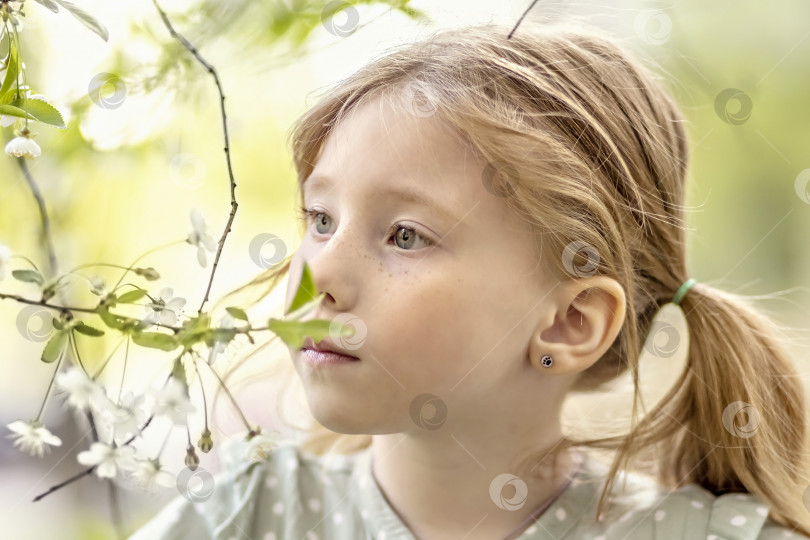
x: 383, y: 523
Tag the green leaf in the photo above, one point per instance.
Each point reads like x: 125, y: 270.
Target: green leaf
x: 293, y: 333
x: 237, y: 313
x: 306, y: 308
x: 88, y: 330
x: 118, y: 322
x: 193, y: 330
x: 110, y: 319
x: 224, y: 335
x: 155, y: 340
x: 297, y: 21
x: 132, y: 296
x: 54, y: 347
x: 11, y: 110
x: 41, y: 110
x: 86, y: 19
x: 30, y: 276
x: 306, y: 290
x: 10, y: 80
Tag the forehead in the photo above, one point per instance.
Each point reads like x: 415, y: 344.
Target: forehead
x: 380, y: 140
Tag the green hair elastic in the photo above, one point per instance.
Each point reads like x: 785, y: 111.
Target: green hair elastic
x: 683, y: 290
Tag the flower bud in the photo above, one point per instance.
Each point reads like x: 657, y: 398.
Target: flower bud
x: 48, y: 293
x: 192, y: 461
x: 149, y: 273
x: 206, y: 443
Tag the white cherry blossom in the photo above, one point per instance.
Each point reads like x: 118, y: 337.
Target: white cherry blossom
x: 148, y: 474
x: 32, y: 437
x: 172, y: 401
x: 164, y: 308
x: 107, y: 459
x: 124, y: 418
x: 199, y: 237
x: 81, y: 390
x: 227, y: 321
x: 23, y: 146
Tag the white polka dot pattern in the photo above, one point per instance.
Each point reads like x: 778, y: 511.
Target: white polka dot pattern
x: 294, y: 495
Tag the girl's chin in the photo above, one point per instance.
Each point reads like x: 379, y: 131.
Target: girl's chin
x: 340, y: 418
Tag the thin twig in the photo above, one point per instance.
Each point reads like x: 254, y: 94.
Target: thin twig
x: 89, y: 470
x: 520, y: 20
x: 193, y: 50
x: 45, y: 233
x: 228, y: 392
x: 64, y: 483
x: 66, y: 310
x: 62, y: 309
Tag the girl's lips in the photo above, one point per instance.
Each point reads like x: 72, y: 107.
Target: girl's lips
x: 325, y: 345
x: 319, y: 358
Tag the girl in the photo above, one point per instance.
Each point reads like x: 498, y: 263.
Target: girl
x: 500, y: 218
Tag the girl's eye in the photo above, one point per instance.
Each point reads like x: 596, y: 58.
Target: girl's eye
x: 401, y: 233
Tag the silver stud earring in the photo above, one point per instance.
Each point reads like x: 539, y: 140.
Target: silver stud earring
x: 546, y: 360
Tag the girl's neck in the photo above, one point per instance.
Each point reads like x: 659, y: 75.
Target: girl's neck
x: 448, y: 496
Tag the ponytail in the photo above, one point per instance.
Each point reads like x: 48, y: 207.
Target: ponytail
x: 735, y: 421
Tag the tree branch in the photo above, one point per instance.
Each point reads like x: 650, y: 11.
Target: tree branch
x: 67, y: 310
x: 234, y: 205
x: 89, y: 470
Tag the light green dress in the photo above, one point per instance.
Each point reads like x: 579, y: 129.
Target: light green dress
x: 301, y: 496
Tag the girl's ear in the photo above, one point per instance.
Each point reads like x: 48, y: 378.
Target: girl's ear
x: 582, y: 320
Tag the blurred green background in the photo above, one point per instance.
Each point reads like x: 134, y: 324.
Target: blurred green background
x: 120, y: 180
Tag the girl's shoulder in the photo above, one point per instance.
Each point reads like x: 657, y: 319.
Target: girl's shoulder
x: 640, y: 507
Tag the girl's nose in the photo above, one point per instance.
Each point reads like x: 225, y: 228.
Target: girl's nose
x: 335, y: 270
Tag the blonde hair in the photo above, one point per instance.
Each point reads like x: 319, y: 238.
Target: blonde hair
x: 597, y: 153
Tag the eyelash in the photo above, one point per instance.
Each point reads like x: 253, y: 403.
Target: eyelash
x: 306, y: 213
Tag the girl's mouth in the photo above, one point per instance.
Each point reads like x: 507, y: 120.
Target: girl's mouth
x: 321, y: 358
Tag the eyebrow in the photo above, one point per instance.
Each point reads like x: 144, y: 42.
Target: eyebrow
x: 318, y: 182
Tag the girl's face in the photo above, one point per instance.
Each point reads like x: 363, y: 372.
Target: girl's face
x: 447, y: 288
